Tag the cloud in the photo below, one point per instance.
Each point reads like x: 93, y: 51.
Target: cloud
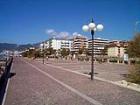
x: 77, y: 34
x: 63, y: 34
x: 53, y: 33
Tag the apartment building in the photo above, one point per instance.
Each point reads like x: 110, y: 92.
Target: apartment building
x: 57, y: 44
x: 99, y: 46
x: 114, y: 48
x: 117, y: 48
x: 79, y: 42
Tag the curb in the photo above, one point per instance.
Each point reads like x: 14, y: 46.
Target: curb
x: 129, y: 85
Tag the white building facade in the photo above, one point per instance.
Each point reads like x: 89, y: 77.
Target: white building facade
x: 57, y: 44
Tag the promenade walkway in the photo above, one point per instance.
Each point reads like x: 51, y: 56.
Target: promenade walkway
x: 38, y: 84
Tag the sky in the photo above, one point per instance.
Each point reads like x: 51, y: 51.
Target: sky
x: 31, y: 21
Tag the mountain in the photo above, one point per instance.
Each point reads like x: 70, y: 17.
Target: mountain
x: 8, y: 46
x: 25, y: 46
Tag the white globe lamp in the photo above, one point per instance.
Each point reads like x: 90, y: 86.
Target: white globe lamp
x: 100, y: 27
x: 85, y: 28
x: 92, y: 26
x: 95, y: 29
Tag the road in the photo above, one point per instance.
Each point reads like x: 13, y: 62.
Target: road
x: 39, y: 84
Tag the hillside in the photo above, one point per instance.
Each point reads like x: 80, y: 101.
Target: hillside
x: 8, y: 46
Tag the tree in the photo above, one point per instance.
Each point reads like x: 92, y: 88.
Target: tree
x: 86, y: 51
x: 37, y: 54
x: 134, y: 47
x: 65, y: 52
x: 24, y: 54
x: 50, y: 51
x: 83, y: 50
x: 30, y: 53
x: 134, y: 51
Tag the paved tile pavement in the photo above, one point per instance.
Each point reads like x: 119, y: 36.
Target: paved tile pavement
x: 31, y: 87
x: 113, y: 72
x: 105, y: 93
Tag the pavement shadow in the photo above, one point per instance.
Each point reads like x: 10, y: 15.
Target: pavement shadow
x: 124, y: 75
x: 89, y: 73
x: 11, y: 75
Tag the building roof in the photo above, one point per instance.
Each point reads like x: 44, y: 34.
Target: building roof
x: 102, y: 39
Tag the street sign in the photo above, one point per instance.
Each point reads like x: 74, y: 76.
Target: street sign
x: 125, y: 57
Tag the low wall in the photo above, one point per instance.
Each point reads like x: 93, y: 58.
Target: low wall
x: 4, y: 78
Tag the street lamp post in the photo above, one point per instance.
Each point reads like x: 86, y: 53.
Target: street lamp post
x: 43, y: 51
x: 43, y: 46
x: 92, y: 28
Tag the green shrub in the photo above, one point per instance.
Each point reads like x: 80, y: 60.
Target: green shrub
x: 113, y: 60
x: 80, y: 59
x: 99, y: 60
x: 87, y: 59
x: 138, y: 62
